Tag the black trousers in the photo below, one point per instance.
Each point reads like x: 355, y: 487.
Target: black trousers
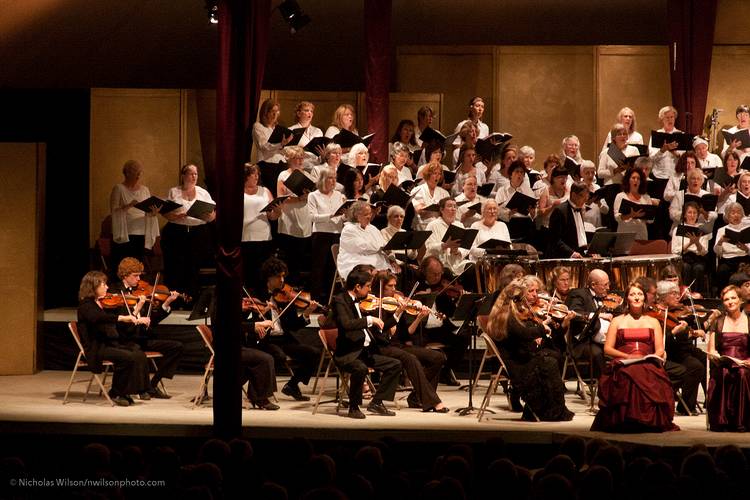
x: 585, y: 351
x: 258, y: 370
x: 694, y: 269
x: 694, y: 362
x: 305, y: 357
x: 455, y: 345
x: 130, y: 368
x: 422, y: 366
x: 171, y: 354
x: 389, y: 368
x: 323, y: 265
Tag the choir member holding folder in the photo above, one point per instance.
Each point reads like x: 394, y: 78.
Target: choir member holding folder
x: 614, y: 160
x: 343, y: 119
x: 134, y: 230
x: 737, y: 138
x: 665, y: 153
x: 690, y: 240
x: 270, y: 152
x: 626, y: 117
x: 517, y: 203
x: 677, y: 182
x: 490, y: 230
x: 187, y: 239
x: 705, y: 201
x: 427, y: 195
x: 633, y: 208
x: 470, y: 202
x: 304, y: 113
x: 730, y: 248
x: 452, y: 252
x: 257, y: 243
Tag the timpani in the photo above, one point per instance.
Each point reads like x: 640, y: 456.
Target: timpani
x: 579, y: 269
x: 489, y: 268
x: 627, y: 269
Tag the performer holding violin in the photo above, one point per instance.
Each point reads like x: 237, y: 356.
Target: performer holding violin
x: 101, y: 341
x: 438, y: 330
x: 131, y: 290
x: 402, y: 317
x: 556, y: 316
x: 288, y: 322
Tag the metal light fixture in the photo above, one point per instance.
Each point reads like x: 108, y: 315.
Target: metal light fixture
x: 293, y: 15
x: 213, y: 11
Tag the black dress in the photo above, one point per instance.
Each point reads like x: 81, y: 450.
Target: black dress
x: 534, y: 372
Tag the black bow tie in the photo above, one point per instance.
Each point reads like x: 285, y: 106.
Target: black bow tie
x: 578, y: 210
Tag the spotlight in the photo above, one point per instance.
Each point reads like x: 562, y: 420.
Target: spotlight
x: 293, y: 15
x: 213, y: 11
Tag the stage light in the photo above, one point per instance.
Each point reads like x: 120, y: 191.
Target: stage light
x: 293, y: 15
x: 213, y: 11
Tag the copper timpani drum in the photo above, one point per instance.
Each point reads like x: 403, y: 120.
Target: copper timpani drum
x: 627, y: 269
x: 579, y: 269
x: 489, y: 268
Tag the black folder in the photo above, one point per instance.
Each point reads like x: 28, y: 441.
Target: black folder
x: 628, y: 206
x: 394, y: 195
x: 742, y: 135
x: 312, y: 146
x: 415, y: 155
x: 298, y: 183
x: 492, y: 145
x: 279, y: 132
x: 343, y: 208
x: 684, y: 230
x: 408, y: 185
x: 655, y: 187
x: 722, y: 178
x: 164, y: 206
x: 534, y: 176
x: 449, y: 176
x: 607, y: 192
x: 493, y: 243
x: 707, y: 201
x: 200, y: 208
x: 274, y: 203
x: 431, y: 135
x: 619, y: 157
x: 642, y: 149
x: 347, y: 139
x: 737, y: 236
x: 521, y: 202
x: 572, y: 167
x: 407, y: 240
x: 465, y: 236
x: 486, y: 189
x: 684, y: 141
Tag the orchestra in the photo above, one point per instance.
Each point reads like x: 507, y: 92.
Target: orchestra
x: 482, y: 227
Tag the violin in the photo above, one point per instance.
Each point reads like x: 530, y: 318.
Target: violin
x: 301, y: 299
x: 611, y: 302
x: 449, y: 288
x: 672, y: 320
x: 112, y: 301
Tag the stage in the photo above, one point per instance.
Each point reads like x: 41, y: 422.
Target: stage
x: 33, y: 405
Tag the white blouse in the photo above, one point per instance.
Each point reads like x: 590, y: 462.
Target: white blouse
x: 131, y: 221
x: 505, y: 193
x: 360, y: 246
x: 498, y: 231
x: 271, y: 153
x: 664, y: 163
x: 681, y: 244
x: 454, y: 262
x: 423, y: 197
x: 729, y: 250
x: 675, y: 210
x: 322, y: 207
x: 607, y: 165
x: 255, y: 226
x: 637, y: 226
x: 463, y: 209
x: 295, y: 217
x: 175, y: 194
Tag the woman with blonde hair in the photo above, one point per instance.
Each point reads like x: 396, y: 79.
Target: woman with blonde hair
x: 343, y: 119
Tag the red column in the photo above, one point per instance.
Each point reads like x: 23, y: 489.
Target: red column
x: 378, y: 74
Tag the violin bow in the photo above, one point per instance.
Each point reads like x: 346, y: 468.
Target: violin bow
x: 125, y: 301
x: 153, y: 294
x: 291, y: 302
x: 380, y: 300
x: 262, y: 314
x: 692, y: 304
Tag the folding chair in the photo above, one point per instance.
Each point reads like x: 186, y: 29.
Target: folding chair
x: 336, y: 276
x: 208, y: 339
x: 569, y: 360
x: 501, y: 375
x: 82, y: 363
x: 487, y: 355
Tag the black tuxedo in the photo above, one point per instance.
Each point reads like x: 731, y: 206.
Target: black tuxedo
x: 563, y: 238
x: 353, y: 356
x: 581, y: 300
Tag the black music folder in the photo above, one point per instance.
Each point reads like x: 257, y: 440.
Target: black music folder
x: 298, y: 183
x: 486, y: 189
x: 627, y: 206
x: 475, y: 207
x: 608, y: 192
x: 432, y: 208
x: 708, y: 201
x: 164, y: 206
x: 407, y: 240
x: 572, y: 167
x: 684, y: 141
x: 343, y: 208
x: 415, y: 155
x: 409, y: 185
x: 745, y: 202
x: 312, y: 146
x: 200, y: 208
x: 742, y: 135
x: 493, y: 244
x: 280, y: 132
x: 619, y: 157
x: 274, y: 203
x: 370, y: 170
x: 642, y: 149
x: 685, y: 230
x: 733, y: 236
x: 347, y: 139
x: 492, y: 145
x: 431, y: 135
x: 394, y: 195
x: 534, y: 176
x: 722, y: 178
x: 449, y: 176
x: 465, y: 236
x: 655, y: 187
x: 521, y: 202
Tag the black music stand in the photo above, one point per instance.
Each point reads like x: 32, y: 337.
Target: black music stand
x: 467, y: 311
x: 588, y: 334
x: 205, y: 306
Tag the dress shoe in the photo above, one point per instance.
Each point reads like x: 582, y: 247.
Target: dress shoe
x: 444, y: 409
x: 449, y: 379
x: 378, y: 408
x: 293, y: 392
x: 355, y: 412
x: 129, y: 399
x: 264, y: 404
x: 157, y: 393
x: 120, y: 401
x: 414, y: 404
x: 144, y: 396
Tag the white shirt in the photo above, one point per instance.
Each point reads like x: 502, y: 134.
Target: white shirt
x: 423, y: 197
x: 675, y: 210
x: 175, y: 194
x: 607, y: 165
x: 360, y: 246
x: 664, y: 163
x: 389, y: 231
x: 729, y: 250
x: 484, y: 130
x: 255, y: 226
x: 681, y: 244
x: 311, y: 132
x: 592, y: 213
x: 131, y: 221
x: 322, y: 207
x: 454, y: 262
x: 295, y: 217
x: 498, y: 231
x: 271, y: 153
x: 404, y: 174
x: 637, y: 226
x: 505, y: 193
x: 633, y: 138
x: 463, y: 209
x: 741, y: 152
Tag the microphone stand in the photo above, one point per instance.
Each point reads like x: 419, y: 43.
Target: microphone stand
x: 470, y: 323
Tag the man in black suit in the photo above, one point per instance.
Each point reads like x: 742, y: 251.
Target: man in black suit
x: 357, y: 347
x: 588, y: 333
x: 567, y: 235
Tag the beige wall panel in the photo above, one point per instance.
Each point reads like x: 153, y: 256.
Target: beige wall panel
x: 731, y: 22
x: 144, y: 125
x: 205, y: 105
x: 191, y: 147
x: 459, y: 73
x: 325, y: 104
x: 544, y: 94
x: 728, y: 86
x: 636, y: 77
x: 19, y: 247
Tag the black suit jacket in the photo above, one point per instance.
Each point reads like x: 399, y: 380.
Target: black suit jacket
x: 563, y: 238
x: 129, y: 331
x: 351, y: 338
x: 581, y: 301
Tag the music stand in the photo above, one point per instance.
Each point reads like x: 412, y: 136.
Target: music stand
x: 204, y: 307
x: 467, y: 310
x: 403, y: 241
x: 608, y: 244
x: 588, y: 334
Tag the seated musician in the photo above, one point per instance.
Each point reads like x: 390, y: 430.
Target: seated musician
x: 441, y: 331
x: 588, y: 339
x: 358, y: 347
x: 559, y: 283
x: 422, y: 365
x: 567, y: 234
x: 101, y: 340
x: 678, y: 340
x: 669, y: 273
x: 555, y: 342
x: 129, y: 271
x: 257, y: 366
x: 289, y: 323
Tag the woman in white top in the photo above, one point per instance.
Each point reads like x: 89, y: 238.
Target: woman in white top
x: 257, y: 245
x: 743, y: 122
x: 269, y: 155
x: 396, y: 216
x: 729, y: 189
x: 692, y: 247
x: 467, y: 199
x: 489, y: 229
x: 449, y: 252
x: 550, y: 198
x: 133, y: 231
x: 730, y: 254
x: 295, y: 223
x: 187, y: 242
x: 634, y: 190
x: 476, y: 111
x: 359, y: 157
x: 427, y: 194
x: 304, y: 112
x: 687, y: 162
x: 611, y: 171
x: 468, y: 135
x: 323, y: 204
x: 331, y: 158
x: 593, y: 210
x: 520, y: 224
x: 665, y: 158
x: 361, y: 242
x: 571, y: 148
x: 400, y: 157
x: 695, y: 180
x: 405, y: 136
x: 467, y: 157
x: 343, y: 118
x: 626, y: 117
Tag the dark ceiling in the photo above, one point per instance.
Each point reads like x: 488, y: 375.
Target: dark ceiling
x: 170, y: 44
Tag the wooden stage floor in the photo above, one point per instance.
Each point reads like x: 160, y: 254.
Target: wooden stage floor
x: 33, y: 404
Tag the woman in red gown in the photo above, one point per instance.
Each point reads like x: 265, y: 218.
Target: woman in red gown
x: 635, y: 394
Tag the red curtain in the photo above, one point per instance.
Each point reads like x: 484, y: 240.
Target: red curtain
x: 243, y: 43
x: 378, y: 74
x: 691, y: 38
